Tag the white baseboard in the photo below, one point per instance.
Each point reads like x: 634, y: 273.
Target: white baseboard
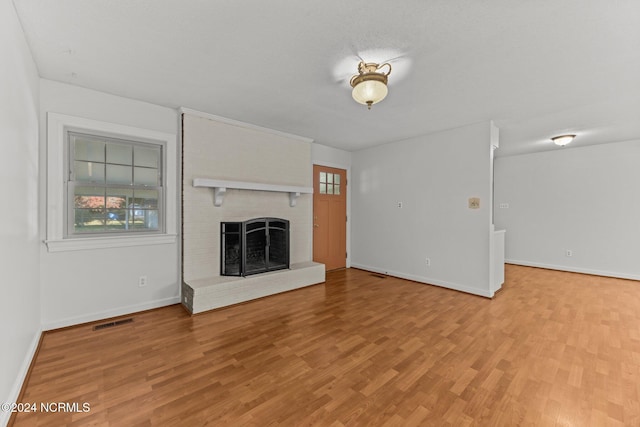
x: 120, y: 311
x: 573, y: 269
x: 443, y: 284
x: 21, y: 376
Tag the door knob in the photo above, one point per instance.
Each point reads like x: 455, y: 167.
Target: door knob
x: 316, y: 225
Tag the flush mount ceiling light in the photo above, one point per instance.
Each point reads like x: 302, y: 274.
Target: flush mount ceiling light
x: 370, y: 84
x: 563, y: 140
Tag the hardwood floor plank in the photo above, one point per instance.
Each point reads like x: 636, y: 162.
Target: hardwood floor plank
x: 552, y: 348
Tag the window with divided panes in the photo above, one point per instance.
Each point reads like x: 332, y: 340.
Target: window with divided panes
x: 329, y: 183
x: 115, y: 186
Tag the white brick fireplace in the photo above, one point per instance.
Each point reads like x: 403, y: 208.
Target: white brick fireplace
x: 249, y: 172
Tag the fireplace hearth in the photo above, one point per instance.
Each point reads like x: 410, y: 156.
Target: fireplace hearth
x: 255, y: 246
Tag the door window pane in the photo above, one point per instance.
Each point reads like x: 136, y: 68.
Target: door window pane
x: 329, y: 183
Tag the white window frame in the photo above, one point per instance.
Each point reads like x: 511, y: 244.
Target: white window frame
x: 72, y: 183
x: 58, y: 125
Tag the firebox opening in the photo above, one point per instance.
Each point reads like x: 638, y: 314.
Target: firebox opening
x: 254, y: 246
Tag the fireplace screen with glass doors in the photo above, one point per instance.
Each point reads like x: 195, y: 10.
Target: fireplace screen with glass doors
x: 254, y: 246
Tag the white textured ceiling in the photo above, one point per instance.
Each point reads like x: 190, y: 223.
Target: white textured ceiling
x: 537, y: 68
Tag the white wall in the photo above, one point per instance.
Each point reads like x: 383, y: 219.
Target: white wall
x: 19, y: 243
x: 80, y: 286
x: 433, y: 176
x: 585, y: 199
x: 329, y: 156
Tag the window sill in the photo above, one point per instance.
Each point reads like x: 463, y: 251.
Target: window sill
x: 108, y: 242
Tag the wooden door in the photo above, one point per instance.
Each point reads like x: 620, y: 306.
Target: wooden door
x: 330, y: 216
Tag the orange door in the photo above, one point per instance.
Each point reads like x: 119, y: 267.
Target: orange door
x: 330, y: 216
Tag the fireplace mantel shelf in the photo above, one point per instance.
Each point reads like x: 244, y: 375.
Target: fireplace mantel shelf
x: 220, y: 188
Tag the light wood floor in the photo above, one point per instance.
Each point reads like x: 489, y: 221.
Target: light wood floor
x: 551, y: 348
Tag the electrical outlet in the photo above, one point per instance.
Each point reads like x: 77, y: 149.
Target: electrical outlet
x: 142, y: 281
x: 400, y: 205
x: 428, y: 261
x: 568, y: 252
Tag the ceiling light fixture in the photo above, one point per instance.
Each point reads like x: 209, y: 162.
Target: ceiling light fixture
x: 563, y: 140
x: 370, y: 84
